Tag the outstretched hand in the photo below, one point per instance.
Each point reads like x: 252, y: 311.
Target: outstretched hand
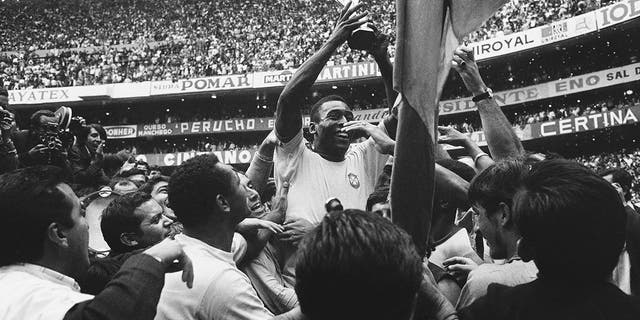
x: 449, y: 135
x: 465, y: 64
x: 170, y: 253
x: 348, y: 22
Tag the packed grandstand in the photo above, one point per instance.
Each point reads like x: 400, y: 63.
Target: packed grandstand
x: 196, y: 76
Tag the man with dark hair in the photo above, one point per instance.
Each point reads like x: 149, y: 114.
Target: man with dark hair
x: 209, y: 200
x: 565, y: 214
x: 333, y: 167
x: 129, y: 223
x: 356, y: 265
x: 158, y: 187
x: 134, y: 221
x: 627, y: 274
x: 41, y: 144
x: 45, y: 251
x: 491, y: 195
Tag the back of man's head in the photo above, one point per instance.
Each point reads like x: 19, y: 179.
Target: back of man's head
x: 193, y: 189
x: 119, y: 217
x: 29, y: 202
x: 572, y: 222
x: 357, y: 265
x: 497, y: 184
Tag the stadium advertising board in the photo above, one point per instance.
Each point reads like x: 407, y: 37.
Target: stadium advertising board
x: 589, y: 122
x: 218, y: 83
x: 177, y: 158
x: 535, y: 37
x: 352, y: 71
x: 581, y: 83
x: 48, y: 95
x: 121, y: 132
x: 619, y: 12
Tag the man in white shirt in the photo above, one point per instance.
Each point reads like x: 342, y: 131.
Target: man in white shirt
x: 209, y: 200
x: 44, y: 250
x: 332, y: 167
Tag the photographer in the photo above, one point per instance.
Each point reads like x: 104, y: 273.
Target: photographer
x: 87, y: 157
x: 42, y: 143
x: 8, y: 154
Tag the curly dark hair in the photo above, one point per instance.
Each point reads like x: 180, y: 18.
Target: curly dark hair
x: 194, y: 186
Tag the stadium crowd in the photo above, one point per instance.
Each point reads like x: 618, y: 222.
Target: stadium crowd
x: 123, y: 41
x: 308, y: 231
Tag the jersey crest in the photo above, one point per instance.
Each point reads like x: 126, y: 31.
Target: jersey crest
x: 354, y: 181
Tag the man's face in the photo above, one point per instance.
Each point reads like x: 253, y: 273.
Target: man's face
x: 237, y: 195
x: 333, y: 115
x: 93, y: 139
x: 160, y: 194
x: 155, y: 226
x: 154, y: 173
x: 487, y: 224
x: 138, y: 179
x: 382, y: 208
x: 253, y: 198
x: 77, y: 236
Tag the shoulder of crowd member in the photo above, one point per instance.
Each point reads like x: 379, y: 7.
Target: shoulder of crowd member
x: 102, y: 270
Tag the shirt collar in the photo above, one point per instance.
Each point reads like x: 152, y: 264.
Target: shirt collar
x: 197, y: 244
x: 45, y: 274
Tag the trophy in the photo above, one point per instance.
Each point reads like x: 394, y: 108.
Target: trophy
x: 362, y: 37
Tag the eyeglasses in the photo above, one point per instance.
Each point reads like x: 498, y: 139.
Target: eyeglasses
x: 336, y: 115
x: 104, y: 192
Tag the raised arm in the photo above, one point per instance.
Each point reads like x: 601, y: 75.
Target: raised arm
x: 454, y: 137
x: 288, y: 114
x: 501, y: 138
x: 262, y: 162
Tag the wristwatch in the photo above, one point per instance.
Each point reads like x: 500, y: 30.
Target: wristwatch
x: 486, y: 95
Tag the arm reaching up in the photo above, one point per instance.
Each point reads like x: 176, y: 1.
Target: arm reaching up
x: 454, y: 137
x: 501, y: 139
x: 288, y: 114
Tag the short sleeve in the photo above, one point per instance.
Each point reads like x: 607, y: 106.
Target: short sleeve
x: 287, y: 156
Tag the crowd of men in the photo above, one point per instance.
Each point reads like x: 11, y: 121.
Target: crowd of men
x: 513, y: 234
x: 124, y: 41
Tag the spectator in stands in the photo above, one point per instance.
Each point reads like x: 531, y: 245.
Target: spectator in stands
x: 8, y: 154
x: 44, y: 252
x: 491, y: 195
x: 383, y: 274
x: 130, y: 223
x: 87, y: 157
x: 209, y: 201
x: 41, y: 143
